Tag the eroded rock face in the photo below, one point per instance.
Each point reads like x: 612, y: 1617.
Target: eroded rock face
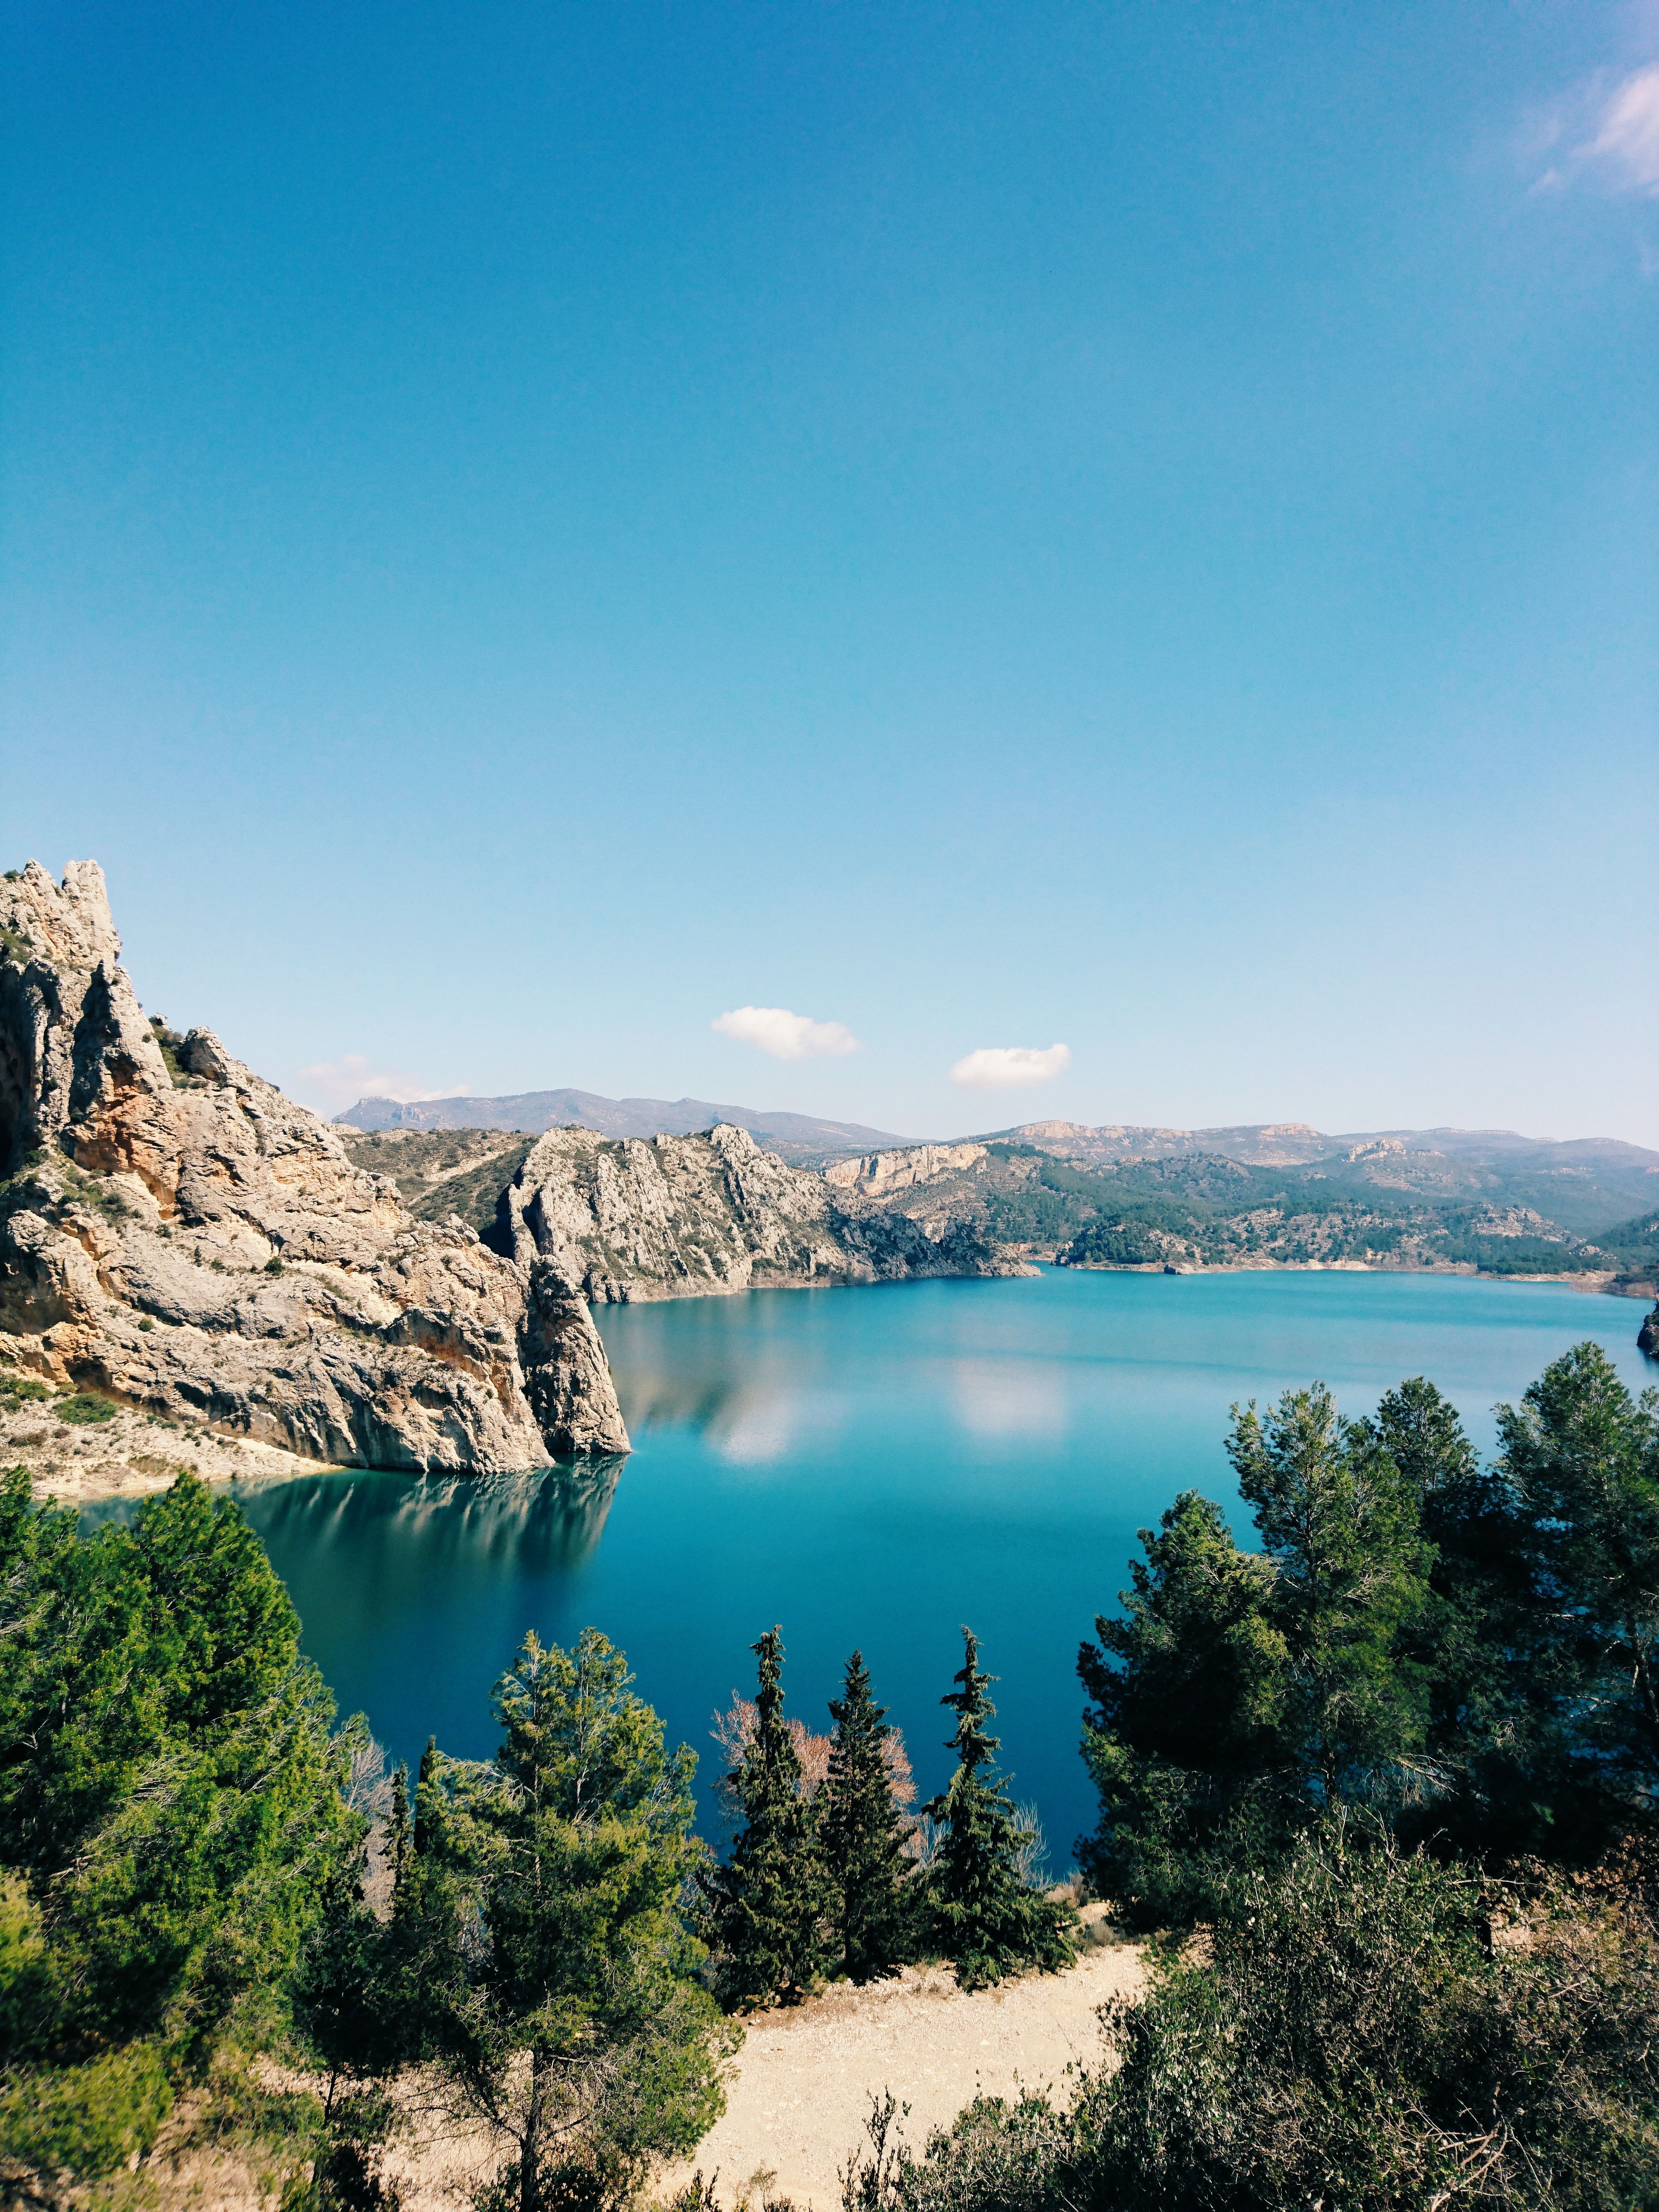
x: 198, y: 1246
x: 634, y: 1218
x: 883, y: 1175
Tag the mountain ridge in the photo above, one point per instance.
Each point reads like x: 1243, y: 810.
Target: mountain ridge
x: 535, y: 1112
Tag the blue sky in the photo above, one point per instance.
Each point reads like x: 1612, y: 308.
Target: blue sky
x: 528, y: 530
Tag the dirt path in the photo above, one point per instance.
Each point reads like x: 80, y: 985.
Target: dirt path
x: 805, y: 2078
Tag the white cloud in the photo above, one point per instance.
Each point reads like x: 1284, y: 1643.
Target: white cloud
x: 1610, y: 137
x: 330, y: 1084
x: 1627, y: 141
x: 784, y: 1035
x: 1010, y: 1066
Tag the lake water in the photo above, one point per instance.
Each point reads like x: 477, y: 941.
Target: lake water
x: 872, y: 1468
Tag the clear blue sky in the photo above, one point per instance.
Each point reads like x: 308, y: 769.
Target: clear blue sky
x: 526, y: 529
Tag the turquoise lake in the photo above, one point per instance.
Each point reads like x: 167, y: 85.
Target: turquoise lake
x: 872, y: 1468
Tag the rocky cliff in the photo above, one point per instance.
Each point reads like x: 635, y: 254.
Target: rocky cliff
x: 177, y: 1235
x: 686, y: 1216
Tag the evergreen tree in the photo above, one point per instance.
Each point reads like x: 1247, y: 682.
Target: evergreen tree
x: 1340, y: 1522
x: 570, y: 2012
x: 400, y: 1841
x: 1182, y: 1740
x: 985, y: 1916
x: 864, y: 1837
x: 425, y: 1781
x: 171, y: 1822
x: 1581, y: 1458
x: 767, y: 1904
x: 1493, y: 1728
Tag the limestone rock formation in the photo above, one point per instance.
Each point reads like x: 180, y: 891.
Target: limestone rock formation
x: 627, y: 1220
x: 883, y: 1175
x: 175, y: 1233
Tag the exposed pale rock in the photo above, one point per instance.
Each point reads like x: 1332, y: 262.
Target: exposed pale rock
x: 881, y: 1174
x: 627, y: 1220
x: 203, y: 1249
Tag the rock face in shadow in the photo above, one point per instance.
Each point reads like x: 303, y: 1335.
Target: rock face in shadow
x: 1647, y: 1337
x: 177, y: 1234
x: 627, y: 1220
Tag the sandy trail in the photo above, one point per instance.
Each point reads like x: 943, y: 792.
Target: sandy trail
x: 805, y: 2078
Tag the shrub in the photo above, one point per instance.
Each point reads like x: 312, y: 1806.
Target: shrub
x: 1373, y: 2031
x: 19, y: 1390
x: 84, y: 1408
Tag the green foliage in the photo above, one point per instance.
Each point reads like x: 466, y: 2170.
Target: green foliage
x: 17, y: 1389
x: 982, y: 1913
x: 1339, y: 1524
x: 88, y: 2118
x: 169, y: 1806
x: 1581, y: 1458
x: 558, y: 1988
x: 1356, y: 2039
x: 1470, y: 1649
x: 1183, y: 1739
x: 766, y: 1906
x: 864, y: 1837
x: 1519, y: 1256
x: 1120, y: 1243
x: 84, y: 1409
x: 171, y: 1044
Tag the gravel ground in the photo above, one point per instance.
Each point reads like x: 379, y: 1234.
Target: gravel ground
x: 805, y: 2079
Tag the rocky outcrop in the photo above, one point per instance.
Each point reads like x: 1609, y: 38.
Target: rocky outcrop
x: 1647, y: 1337
x: 690, y: 1217
x: 881, y: 1175
x: 175, y: 1233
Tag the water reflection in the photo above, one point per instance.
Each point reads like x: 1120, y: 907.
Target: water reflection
x: 551, y: 1518
x: 753, y: 1420
x: 1008, y: 1398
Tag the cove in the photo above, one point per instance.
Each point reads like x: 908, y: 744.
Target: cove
x: 872, y: 1468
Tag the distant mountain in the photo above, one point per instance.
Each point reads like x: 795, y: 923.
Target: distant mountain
x: 1584, y: 1184
x: 536, y: 1111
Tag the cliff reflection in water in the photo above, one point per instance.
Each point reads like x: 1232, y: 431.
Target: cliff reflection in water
x: 550, y: 1519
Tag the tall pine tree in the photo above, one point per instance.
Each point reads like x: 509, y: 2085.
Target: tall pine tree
x: 863, y: 1837
x: 985, y: 1916
x: 766, y: 1903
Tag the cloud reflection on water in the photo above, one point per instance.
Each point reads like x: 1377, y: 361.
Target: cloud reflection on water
x: 1002, y: 1398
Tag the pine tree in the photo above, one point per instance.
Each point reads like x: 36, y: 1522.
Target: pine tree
x: 566, y: 2003
x: 767, y: 1902
x: 1341, y: 1524
x: 863, y: 1838
x: 985, y: 1916
x: 399, y: 1837
x: 425, y: 1782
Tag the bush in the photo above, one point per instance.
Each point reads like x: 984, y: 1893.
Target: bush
x: 19, y: 1390
x: 84, y: 1408
x: 1373, y: 2031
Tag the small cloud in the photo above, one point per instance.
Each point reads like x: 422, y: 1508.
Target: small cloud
x: 1010, y: 1066
x: 1627, y: 141
x: 329, y: 1083
x: 784, y: 1035
x: 1608, y: 137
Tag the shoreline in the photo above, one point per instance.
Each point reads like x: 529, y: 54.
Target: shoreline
x: 1606, y: 1283
x: 135, y: 1455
